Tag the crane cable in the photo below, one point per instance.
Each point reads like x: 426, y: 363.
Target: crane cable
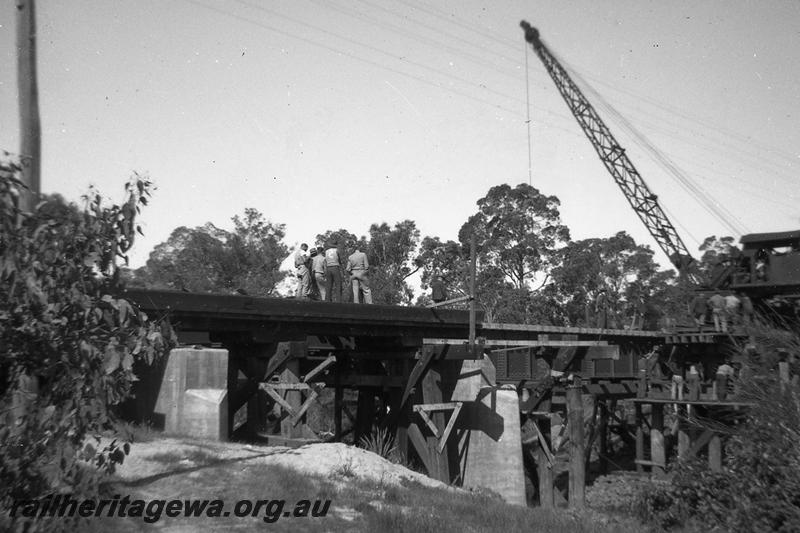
x: 528, y: 110
x: 719, y: 212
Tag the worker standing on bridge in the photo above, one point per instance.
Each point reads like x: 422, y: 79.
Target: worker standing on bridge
x: 698, y: 309
x: 601, y: 309
x: 438, y: 290
x: 747, y: 309
x: 717, y: 303
x: 358, y: 268
x: 725, y: 373
x: 318, y: 269
x: 303, y: 274
x: 333, y: 272
x: 732, y: 308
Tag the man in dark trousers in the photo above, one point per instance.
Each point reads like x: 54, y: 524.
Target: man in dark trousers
x: 438, y: 291
x: 333, y: 272
x: 601, y: 309
x: 698, y: 308
x: 358, y: 268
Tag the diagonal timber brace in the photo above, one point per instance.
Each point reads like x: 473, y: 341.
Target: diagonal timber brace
x: 272, y: 390
x: 424, y: 409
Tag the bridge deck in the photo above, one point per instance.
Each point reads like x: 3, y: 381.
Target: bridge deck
x: 291, y: 318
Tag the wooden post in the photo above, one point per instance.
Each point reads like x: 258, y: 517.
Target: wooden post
x: 783, y: 373
x: 684, y: 439
x: 577, y: 466
x: 338, y: 401
x: 641, y: 389
x: 657, y: 451
x: 544, y: 469
x: 400, y: 416
x: 365, y: 413
x: 30, y: 126
x: 715, y: 453
x: 291, y: 374
x: 603, y: 435
x: 639, y: 437
x: 432, y: 393
x: 592, y: 431
x: 473, y: 267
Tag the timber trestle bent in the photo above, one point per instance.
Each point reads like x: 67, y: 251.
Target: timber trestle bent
x: 301, y: 371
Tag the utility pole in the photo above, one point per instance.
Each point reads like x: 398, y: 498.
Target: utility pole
x: 473, y: 263
x: 30, y: 126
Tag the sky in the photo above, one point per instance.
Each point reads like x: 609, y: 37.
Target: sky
x: 339, y: 114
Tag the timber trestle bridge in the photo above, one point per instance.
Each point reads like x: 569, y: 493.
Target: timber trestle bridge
x: 290, y: 372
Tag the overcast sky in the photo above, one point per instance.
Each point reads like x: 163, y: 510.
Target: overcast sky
x: 329, y: 114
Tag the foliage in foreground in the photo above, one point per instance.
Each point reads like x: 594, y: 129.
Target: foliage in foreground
x: 758, y: 488
x: 67, y: 343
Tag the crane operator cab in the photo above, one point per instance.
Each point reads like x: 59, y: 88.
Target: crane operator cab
x: 768, y: 265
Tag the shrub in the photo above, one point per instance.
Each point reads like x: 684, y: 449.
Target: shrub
x: 64, y: 332
x: 758, y: 488
x: 381, y: 442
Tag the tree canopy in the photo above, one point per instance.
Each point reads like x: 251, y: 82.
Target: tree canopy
x: 529, y: 270
x: 210, y: 259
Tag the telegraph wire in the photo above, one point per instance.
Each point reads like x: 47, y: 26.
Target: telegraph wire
x: 528, y: 115
x: 451, y: 19
x: 735, y: 151
x: 354, y: 56
x: 378, y: 50
x: 417, y: 37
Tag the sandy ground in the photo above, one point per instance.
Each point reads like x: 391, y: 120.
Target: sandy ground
x: 326, y: 460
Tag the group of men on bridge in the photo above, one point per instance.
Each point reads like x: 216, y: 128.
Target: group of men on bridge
x: 319, y: 273
x: 725, y: 310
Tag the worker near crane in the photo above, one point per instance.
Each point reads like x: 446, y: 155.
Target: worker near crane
x: 725, y: 374
x: 732, y: 304
x: 698, y: 308
x: 358, y: 268
x: 747, y: 309
x: 717, y: 303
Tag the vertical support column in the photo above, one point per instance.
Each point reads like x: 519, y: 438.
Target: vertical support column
x: 338, y: 405
x: 657, y: 451
x: 715, y: 453
x: 400, y: 416
x: 473, y: 262
x: 684, y: 439
x: 291, y: 374
x: 641, y: 389
x: 365, y: 413
x: 577, y: 466
x: 639, y: 437
x: 432, y: 393
x: 602, y: 434
x: 253, y: 361
x: 783, y: 373
x: 544, y: 469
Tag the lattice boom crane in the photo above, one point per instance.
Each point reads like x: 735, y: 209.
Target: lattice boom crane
x: 613, y: 156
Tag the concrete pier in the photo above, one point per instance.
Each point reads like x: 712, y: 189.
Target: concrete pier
x: 490, y: 443
x: 193, y: 396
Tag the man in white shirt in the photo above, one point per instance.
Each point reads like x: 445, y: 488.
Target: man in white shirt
x: 303, y: 274
x: 358, y: 267
x: 333, y: 273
